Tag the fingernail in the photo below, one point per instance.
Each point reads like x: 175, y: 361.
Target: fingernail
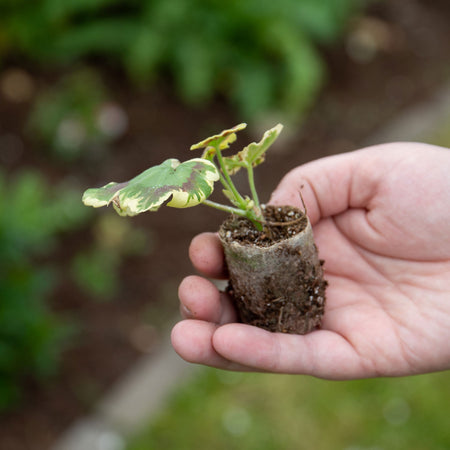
x: 186, y: 312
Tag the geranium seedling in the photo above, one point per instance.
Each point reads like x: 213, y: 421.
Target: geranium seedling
x: 276, y: 276
x: 187, y: 184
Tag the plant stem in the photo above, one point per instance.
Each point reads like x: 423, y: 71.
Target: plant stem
x: 228, y: 209
x: 225, y: 183
x: 229, y: 183
x: 239, y: 212
x: 251, y: 182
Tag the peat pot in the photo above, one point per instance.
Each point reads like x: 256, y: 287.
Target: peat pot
x: 276, y: 277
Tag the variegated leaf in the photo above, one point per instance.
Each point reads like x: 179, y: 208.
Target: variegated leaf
x: 185, y: 184
x: 254, y: 153
x: 222, y: 140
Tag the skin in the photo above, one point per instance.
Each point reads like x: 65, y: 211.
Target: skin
x: 381, y: 221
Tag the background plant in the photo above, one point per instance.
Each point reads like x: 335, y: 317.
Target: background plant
x: 31, y: 337
x: 96, y: 269
x: 261, y: 55
x: 76, y: 119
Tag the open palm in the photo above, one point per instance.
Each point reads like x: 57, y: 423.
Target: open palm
x: 381, y: 220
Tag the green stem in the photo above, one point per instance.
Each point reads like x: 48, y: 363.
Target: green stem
x: 239, y: 212
x: 228, y: 209
x: 225, y: 184
x: 229, y: 183
x: 251, y: 182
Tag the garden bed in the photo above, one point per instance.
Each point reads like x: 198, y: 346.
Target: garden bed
x: 411, y: 62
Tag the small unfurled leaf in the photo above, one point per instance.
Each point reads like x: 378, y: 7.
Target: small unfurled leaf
x: 222, y: 140
x: 186, y: 184
x: 254, y: 153
x: 229, y: 195
x: 209, y: 153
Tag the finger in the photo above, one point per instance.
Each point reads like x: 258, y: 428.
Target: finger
x: 192, y: 340
x: 206, y: 254
x: 322, y: 353
x: 332, y: 185
x: 200, y: 299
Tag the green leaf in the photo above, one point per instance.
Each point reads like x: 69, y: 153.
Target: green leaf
x: 186, y: 184
x: 209, y: 153
x: 254, y: 153
x: 107, y: 36
x: 222, y: 140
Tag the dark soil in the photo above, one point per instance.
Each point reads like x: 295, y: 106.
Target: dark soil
x: 281, y: 223
x: 276, y: 277
x: 407, y: 67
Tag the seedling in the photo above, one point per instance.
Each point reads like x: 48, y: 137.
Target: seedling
x: 187, y: 184
x: 276, y: 277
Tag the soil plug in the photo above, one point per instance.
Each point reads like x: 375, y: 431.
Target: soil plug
x: 277, y: 280
x: 276, y: 277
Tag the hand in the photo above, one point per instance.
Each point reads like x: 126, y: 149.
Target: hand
x: 381, y: 221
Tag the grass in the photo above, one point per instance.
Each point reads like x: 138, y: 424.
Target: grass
x: 226, y: 411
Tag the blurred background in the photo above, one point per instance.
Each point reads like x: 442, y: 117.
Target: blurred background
x: 97, y: 90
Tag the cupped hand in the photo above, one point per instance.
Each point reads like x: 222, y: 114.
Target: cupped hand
x: 381, y: 221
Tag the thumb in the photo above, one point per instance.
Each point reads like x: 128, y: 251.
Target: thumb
x: 331, y: 185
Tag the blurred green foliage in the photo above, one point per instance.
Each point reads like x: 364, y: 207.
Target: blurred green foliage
x: 96, y: 270
x: 440, y: 135
x: 261, y: 55
x: 31, y: 337
x: 230, y: 411
x: 74, y: 119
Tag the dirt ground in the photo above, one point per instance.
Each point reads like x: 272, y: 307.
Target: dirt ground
x: 370, y: 82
